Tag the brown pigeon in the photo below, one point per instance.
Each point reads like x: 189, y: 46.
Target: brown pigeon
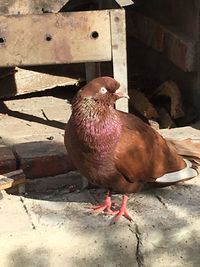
x: 117, y: 150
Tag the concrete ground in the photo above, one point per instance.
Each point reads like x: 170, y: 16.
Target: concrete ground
x: 50, y: 226
x: 56, y: 229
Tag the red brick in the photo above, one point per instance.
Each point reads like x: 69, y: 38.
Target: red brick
x: 7, y: 160
x: 173, y: 44
x: 42, y: 159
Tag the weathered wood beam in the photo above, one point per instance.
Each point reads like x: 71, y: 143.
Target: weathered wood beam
x: 119, y: 55
x: 11, y: 179
x: 177, y: 47
x: 55, y: 38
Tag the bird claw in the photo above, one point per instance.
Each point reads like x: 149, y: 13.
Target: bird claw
x: 119, y: 214
x: 107, y: 206
x: 111, y: 212
x: 100, y: 208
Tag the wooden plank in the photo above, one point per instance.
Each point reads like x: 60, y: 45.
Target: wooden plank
x: 177, y: 47
x: 171, y: 90
x: 11, y: 179
x: 55, y: 38
x: 141, y: 103
x: 23, y: 81
x: 119, y: 57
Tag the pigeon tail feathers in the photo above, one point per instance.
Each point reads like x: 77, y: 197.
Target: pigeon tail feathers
x: 174, y: 177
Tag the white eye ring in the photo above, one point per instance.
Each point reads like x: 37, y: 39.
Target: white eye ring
x: 103, y: 90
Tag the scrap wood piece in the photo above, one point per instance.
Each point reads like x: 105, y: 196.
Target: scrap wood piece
x: 171, y: 90
x: 190, y: 116
x: 142, y: 104
x: 125, y: 2
x: 187, y: 147
x: 11, y: 179
x: 165, y: 121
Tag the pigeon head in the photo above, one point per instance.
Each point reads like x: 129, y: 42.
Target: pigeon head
x: 103, y: 89
x: 97, y: 98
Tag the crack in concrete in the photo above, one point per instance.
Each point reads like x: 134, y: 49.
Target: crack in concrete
x: 27, y: 212
x: 160, y: 200
x: 138, y: 252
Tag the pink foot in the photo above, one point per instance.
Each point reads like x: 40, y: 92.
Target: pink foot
x: 122, y: 211
x: 105, y: 206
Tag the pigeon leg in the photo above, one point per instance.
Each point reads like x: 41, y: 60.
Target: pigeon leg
x: 122, y: 211
x: 106, y: 205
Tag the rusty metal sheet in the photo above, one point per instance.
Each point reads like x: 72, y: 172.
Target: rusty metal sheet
x: 55, y: 38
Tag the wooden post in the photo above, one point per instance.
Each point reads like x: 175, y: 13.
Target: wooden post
x: 118, y: 39
x: 92, y: 70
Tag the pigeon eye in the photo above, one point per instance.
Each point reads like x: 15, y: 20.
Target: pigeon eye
x: 103, y: 90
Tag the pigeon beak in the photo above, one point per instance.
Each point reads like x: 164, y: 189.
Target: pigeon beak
x: 121, y: 94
